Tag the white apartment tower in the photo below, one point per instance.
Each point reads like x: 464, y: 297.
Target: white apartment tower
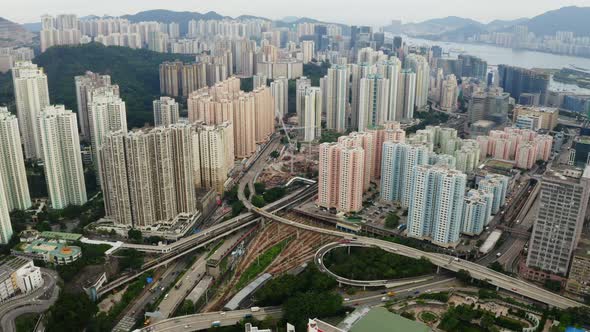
x: 399, y: 161
x: 391, y: 70
x: 406, y: 95
x: 5, y: 225
x: 60, y: 143
x: 436, y: 208
x: 419, y: 65
x: 373, y: 102
x: 166, y: 111
x: 336, y: 89
x: 85, y: 85
x: 280, y: 92
x: 32, y: 96
x: 311, y: 115
x: 12, y: 164
x: 106, y: 113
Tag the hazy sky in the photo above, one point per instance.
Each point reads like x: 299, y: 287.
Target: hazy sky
x: 369, y: 12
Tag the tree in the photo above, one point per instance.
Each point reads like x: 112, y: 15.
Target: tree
x: 131, y: 259
x: 301, y: 306
x: 258, y: 201
x: 274, y: 194
x: 134, y: 235
x: 236, y: 208
x: 496, y: 266
x: 464, y: 275
x: 552, y: 285
x: 392, y: 220
x: 186, y: 308
x: 70, y: 313
x: 275, y: 154
x: 259, y: 187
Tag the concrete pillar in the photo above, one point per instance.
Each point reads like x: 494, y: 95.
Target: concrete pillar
x: 438, y: 270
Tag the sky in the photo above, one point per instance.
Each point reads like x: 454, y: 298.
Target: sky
x: 367, y: 12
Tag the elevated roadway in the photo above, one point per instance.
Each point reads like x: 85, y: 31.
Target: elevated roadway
x: 319, y: 261
x: 205, y: 321
x: 476, y: 271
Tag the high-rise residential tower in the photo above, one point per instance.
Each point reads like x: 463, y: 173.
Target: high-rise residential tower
x: 311, y: 115
x: 166, y: 111
x: 398, y: 165
x: 32, y: 96
x: 436, y: 208
x: 64, y: 174
x: 336, y: 86
x: 12, y: 165
x: 85, y: 84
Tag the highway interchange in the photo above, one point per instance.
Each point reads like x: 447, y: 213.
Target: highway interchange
x: 37, y: 301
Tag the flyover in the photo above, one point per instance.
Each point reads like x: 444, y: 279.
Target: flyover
x: 451, y: 263
x: 319, y: 261
x: 204, y: 321
x: 189, y: 244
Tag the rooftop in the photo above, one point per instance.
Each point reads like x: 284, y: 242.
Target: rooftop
x: 583, y: 249
x: 52, y: 247
x: 61, y: 236
x: 380, y: 320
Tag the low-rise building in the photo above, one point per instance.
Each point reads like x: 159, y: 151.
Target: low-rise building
x: 18, y: 275
x: 52, y: 252
x: 578, y: 281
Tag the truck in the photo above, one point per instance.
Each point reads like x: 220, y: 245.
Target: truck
x: 255, y: 309
x: 177, y: 286
x: 216, y: 324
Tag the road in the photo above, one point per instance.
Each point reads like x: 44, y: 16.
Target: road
x: 36, y: 302
x: 204, y: 321
x: 319, y: 261
x: 447, y: 262
x: 136, y: 310
x: 191, y: 277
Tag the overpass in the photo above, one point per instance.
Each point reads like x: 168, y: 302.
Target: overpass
x: 191, y: 243
x: 451, y: 263
x: 319, y: 261
x: 205, y: 320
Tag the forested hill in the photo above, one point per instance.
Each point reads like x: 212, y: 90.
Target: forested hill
x: 135, y: 71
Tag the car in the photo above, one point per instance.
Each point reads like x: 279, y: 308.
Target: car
x: 417, y: 292
x: 456, y: 259
x: 514, y: 289
x: 498, y: 254
x: 346, y: 299
x: 383, y: 299
x: 222, y: 313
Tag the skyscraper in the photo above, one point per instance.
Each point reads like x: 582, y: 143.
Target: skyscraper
x: 563, y: 201
x: 399, y: 161
x: 391, y: 70
x: 166, y: 111
x: 32, y: 96
x: 85, y: 84
x: 106, y: 113
x: 406, y: 95
x: 449, y: 94
x: 476, y: 211
x: 280, y: 92
x: 436, y: 208
x: 373, y: 102
x: 214, y: 155
x: 419, y: 65
x: 12, y: 165
x: 308, y: 50
x: 516, y: 80
x: 62, y: 161
x: 341, y: 177
x: 336, y: 97
x: 311, y: 116
x: 5, y: 225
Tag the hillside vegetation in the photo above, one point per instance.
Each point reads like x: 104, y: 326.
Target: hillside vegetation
x: 135, y: 71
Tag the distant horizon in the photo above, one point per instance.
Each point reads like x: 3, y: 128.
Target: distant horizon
x: 28, y: 11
